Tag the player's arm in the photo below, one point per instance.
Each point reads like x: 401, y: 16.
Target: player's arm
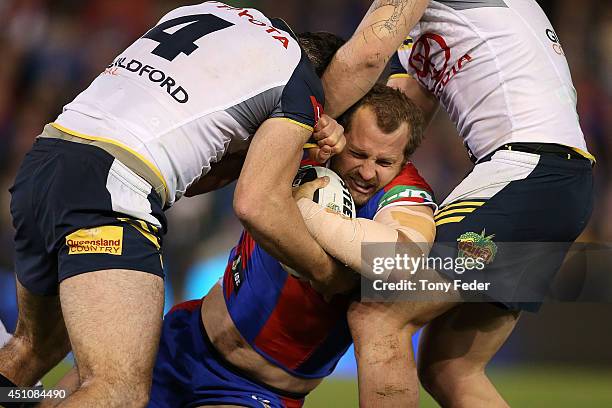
x: 359, y: 63
x: 220, y: 175
x: 382, y: 343
x: 417, y: 93
x: 329, y: 140
x: 264, y: 204
x: 342, y: 237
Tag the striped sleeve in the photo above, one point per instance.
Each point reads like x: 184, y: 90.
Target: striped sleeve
x: 408, y: 188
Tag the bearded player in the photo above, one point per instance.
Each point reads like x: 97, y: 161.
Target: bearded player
x: 498, y: 69
x: 264, y: 338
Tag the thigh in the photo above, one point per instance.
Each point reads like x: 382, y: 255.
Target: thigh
x: 469, y: 334
x: 114, y: 320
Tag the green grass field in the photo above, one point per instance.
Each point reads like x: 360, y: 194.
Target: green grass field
x: 547, y: 386
x: 557, y: 387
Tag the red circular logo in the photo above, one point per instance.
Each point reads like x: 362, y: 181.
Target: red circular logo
x: 423, y: 50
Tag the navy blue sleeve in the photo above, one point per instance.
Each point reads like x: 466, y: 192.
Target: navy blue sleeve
x: 302, y: 99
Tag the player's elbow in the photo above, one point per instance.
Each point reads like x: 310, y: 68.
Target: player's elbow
x: 244, y: 207
x: 253, y: 206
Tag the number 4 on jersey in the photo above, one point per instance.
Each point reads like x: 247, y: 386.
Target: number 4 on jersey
x: 183, y: 40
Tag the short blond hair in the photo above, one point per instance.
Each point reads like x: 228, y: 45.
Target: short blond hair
x: 392, y: 108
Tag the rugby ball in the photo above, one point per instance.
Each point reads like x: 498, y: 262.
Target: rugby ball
x: 335, y: 196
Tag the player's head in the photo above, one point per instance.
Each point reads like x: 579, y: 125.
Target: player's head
x: 382, y: 130
x: 320, y: 48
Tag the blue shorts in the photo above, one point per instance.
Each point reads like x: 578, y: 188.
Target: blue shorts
x: 77, y: 209
x: 190, y: 372
x: 519, y: 212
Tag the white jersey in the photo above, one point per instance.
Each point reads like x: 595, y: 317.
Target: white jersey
x: 206, y: 76
x: 498, y: 69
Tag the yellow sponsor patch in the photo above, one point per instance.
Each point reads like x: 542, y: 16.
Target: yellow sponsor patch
x: 407, y: 44
x: 99, y: 240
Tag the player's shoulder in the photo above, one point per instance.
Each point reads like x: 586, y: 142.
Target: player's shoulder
x: 304, y: 72
x: 282, y: 80
x: 302, y: 99
x: 270, y: 37
x: 291, y: 88
x: 407, y: 188
x: 409, y: 176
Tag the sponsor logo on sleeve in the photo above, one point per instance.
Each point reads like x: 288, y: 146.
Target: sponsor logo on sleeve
x: 405, y: 193
x: 99, y: 240
x: 556, y: 44
x: 406, y: 44
x: 237, y: 272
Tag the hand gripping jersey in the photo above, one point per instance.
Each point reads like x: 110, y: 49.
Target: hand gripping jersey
x: 196, y: 85
x: 498, y: 69
x: 282, y: 317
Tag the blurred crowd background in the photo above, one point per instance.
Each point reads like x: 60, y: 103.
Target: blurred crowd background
x: 51, y: 50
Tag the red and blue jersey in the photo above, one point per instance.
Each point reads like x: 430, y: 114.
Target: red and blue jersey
x: 282, y: 317
x: 407, y: 188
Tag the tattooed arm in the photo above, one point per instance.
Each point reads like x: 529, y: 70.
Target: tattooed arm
x: 358, y: 64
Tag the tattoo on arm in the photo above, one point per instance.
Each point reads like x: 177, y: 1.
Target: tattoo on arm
x: 391, y: 24
x: 380, y: 3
